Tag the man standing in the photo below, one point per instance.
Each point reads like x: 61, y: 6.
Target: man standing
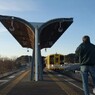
x: 86, y: 54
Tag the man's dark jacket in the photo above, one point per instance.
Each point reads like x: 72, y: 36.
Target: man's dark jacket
x: 86, y: 54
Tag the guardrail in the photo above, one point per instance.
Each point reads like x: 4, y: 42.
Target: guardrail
x: 70, y: 67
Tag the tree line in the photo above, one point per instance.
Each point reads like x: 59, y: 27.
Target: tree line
x: 9, y: 65
x: 71, y: 58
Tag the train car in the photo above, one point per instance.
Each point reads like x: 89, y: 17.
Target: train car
x: 54, y: 62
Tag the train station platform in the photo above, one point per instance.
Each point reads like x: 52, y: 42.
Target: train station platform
x: 49, y: 86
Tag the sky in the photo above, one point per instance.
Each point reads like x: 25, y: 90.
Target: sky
x: 82, y: 12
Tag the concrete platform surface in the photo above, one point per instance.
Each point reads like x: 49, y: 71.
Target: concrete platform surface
x: 27, y: 87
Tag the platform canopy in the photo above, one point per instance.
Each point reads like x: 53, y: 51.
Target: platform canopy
x: 24, y: 31
x: 21, y: 30
x: 51, y: 31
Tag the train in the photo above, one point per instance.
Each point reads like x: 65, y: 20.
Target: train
x: 54, y: 62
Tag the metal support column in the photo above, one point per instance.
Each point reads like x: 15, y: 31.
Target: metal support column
x: 36, y: 65
x: 40, y: 65
x: 32, y: 66
x: 36, y: 54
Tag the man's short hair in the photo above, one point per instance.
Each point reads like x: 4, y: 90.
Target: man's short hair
x: 86, y: 39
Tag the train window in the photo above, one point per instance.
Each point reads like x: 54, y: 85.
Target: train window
x: 52, y: 59
x: 56, y: 60
x: 61, y: 59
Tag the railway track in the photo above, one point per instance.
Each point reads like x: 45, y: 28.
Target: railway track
x: 9, y: 77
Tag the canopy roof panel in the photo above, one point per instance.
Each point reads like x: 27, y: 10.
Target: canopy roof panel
x: 51, y: 31
x: 21, y: 30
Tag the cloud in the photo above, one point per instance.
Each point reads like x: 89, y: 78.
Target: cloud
x: 2, y: 29
x: 17, y: 5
